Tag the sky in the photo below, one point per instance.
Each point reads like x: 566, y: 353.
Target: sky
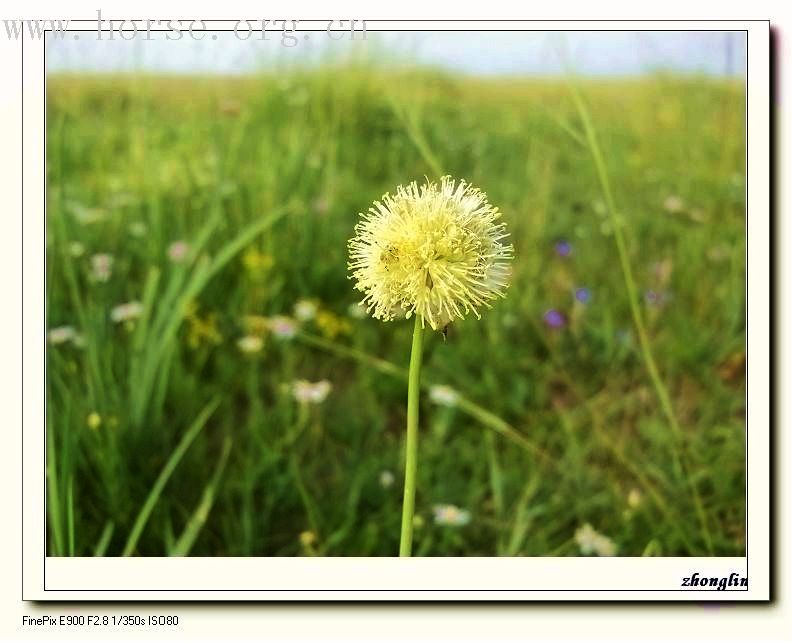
x: 590, y: 53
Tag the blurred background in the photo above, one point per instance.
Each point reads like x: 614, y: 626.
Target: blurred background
x: 214, y: 389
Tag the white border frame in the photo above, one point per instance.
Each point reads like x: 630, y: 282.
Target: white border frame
x: 393, y: 579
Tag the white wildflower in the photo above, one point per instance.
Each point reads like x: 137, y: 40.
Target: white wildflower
x: 126, y: 312
x: 250, y: 344
x: 305, y: 310
x: 592, y: 542
x: 451, y: 515
x: 311, y: 393
x: 443, y: 395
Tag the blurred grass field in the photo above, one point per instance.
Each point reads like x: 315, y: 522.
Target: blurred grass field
x: 217, y: 203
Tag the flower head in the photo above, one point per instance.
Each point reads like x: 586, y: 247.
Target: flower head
x: 450, y: 515
x: 308, y: 537
x: 282, y: 327
x: 61, y: 335
x: 101, y: 267
x: 386, y: 478
x: 76, y: 248
x: 674, y: 204
x: 138, y: 229
x: 331, y: 325
x: 554, y: 319
x: 257, y: 263
x: 434, y: 250
x: 563, y: 248
x: 305, y: 310
x: 250, y: 344
x: 592, y: 542
x: 443, y: 395
x: 355, y: 310
x: 126, y: 312
x: 93, y: 420
x: 583, y: 295
x: 311, y: 393
x: 177, y: 251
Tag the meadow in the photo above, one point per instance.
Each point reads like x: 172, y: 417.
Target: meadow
x: 212, y: 388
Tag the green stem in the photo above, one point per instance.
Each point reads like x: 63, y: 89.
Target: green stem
x: 411, y: 454
x: 643, y: 337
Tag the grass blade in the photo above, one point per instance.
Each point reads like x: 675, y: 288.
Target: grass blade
x: 193, y: 528
x: 171, y: 316
x: 165, y: 474
x: 104, y: 540
x: 53, y: 502
x: 638, y: 321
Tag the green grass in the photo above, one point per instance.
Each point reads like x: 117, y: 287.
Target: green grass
x: 203, y: 450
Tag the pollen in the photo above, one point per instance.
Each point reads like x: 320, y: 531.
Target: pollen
x: 436, y: 250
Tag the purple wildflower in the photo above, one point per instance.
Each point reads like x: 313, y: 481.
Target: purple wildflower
x: 563, y: 248
x: 583, y: 295
x: 554, y: 319
x: 653, y: 297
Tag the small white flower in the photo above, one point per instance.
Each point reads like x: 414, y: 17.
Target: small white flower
x: 305, y: 310
x: 592, y: 542
x: 282, y: 327
x: 76, y: 249
x: 311, y: 393
x: 101, y: 267
x: 138, y: 229
x: 321, y: 205
x: 356, y: 310
x: 250, y: 344
x: 718, y: 253
x: 674, y: 204
x: 386, y: 478
x: 634, y: 498
x: 126, y: 312
x: 451, y: 515
x: 61, y: 335
x: 443, y: 395
x: 86, y: 215
x: 178, y: 251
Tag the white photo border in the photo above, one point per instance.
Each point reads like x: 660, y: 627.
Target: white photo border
x: 415, y: 579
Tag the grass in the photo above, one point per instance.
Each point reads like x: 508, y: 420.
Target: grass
x: 630, y: 418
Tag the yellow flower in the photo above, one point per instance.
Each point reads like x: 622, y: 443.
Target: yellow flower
x: 255, y: 324
x: 94, y: 420
x: 331, y: 325
x: 202, y: 331
x: 434, y: 250
x: 307, y: 538
x: 257, y: 263
x: 250, y: 344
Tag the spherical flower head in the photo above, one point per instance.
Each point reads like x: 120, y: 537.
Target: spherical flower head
x: 250, y: 344
x: 305, y: 310
x: 386, y: 478
x: 60, y: 335
x: 443, y: 395
x: 311, y: 393
x: 583, y: 295
x: 101, y: 267
x: 178, y: 251
x: 563, y: 248
x: 282, y: 327
x: 592, y: 542
x: 452, y: 515
x: 554, y: 319
x: 126, y: 312
x: 436, y: 250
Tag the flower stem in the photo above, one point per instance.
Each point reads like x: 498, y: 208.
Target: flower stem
x: 411, y: 454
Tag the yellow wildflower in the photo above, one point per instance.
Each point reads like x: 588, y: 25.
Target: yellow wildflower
x: 93, y: 420
x: 434, y: 250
